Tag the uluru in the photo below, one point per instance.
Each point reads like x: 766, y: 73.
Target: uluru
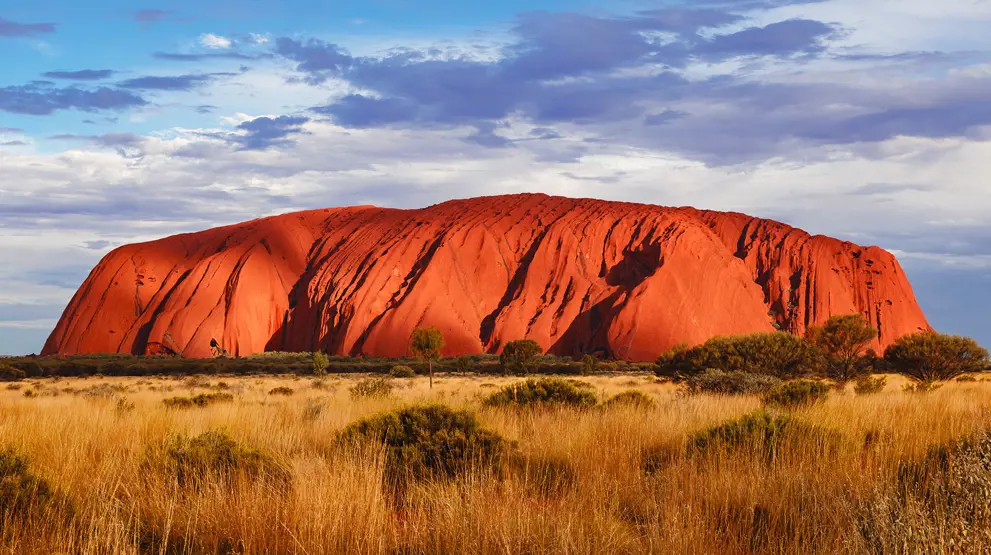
x: 578, y: 276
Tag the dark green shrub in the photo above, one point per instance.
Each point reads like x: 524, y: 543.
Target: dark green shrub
x: 212, y: 455
x: 10, y: 374
x: 281, y: 390
x: 201, y: 400
x: 21, y: 492
x: 869, y: 385
x: 930, y: 356
x: 518, y: 356
x: 319, y: 363
x: 779, y: 354
x: 844, y: 342
x: 762, y: 434
x: 632, y: 398
x: 797, y: 394
x: 730, y: 383
x: 464, y: 364
x: 589, y: 364
x: 429, y: 442
x: 542, y: 393
x: 371, y: 388
x: 401, y: 371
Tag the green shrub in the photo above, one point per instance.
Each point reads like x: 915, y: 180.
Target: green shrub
x: 844, y: 342
x: 371, y: 388
x: 212, y: 455
x: 779, y: 354
x: 429, y: 442
x: 281, y: 390
x: 966, y: 379
x: 632, y: 398
x: 10, y: 374
x: 543, y: 392
x: 869, y: 385
x: 589, y: 364
x: 763, y: 434
x: 400, y: 371
x: 930, y: 356
x: 730, y: 383
x: 21, y: 492
x: 201, y: 400
x: 797, y: 394
x: 320, y: 362
x: 464, y: 364
x: 518, y: 356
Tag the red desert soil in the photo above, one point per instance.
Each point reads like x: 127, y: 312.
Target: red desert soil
x: 576, y: 275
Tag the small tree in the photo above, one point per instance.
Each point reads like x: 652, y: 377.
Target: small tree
x: 589, y: 364
x: 464, y: 364
x: 518, y: 356
x: 426, y: 343
x: 844, y: 341
x: 929, y: 356
x: 320, y: 363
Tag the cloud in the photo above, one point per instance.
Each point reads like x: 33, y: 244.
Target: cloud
x: 10, y: 130
x: 170, y: 83
x: 81, y: 75
x: 150, y: 16
x: 264, y: 132
x: 209, y: 40
x: 13, y: 29
x: 99, y: 245
x: 667, y: 116
x: 108, y: 139
x: 177, y: 57
x: 42, y: 99
x: 13, y: 143
x: 317, y: 58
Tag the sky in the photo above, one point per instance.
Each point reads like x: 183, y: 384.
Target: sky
x: 866, y: 120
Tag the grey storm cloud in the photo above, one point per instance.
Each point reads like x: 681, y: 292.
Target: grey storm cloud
x: 43, y: 99
x: 264, y: 132
x: 80, y: 75
x: 14, y: 29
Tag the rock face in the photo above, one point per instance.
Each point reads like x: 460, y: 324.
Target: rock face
x: 576, y: 275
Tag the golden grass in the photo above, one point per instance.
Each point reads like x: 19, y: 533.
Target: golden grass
x: 814, y: 499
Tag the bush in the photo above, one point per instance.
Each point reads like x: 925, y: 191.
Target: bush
x: 10, y: 374
x: 589, y: 364
x: 429, y: 442
x: 869, y: 385
x: 542, y: 393
x: 762, y: 434
x: 464, y: 364
x: 633, y: 398
x: 212, y: 455
x: 518, y: 356
x: 844, y: 342
x: 797, y: 394
x: 201, y: 400
x: 281, y: 390
x: 779, y: 354
x: 320, y: 363
x: 401, y: 371
x: 730, y: 383
x: 371, y: 388
x: 21, y: 492
x: 929, y: 356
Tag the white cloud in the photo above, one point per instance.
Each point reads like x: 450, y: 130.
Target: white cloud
x: 210, y: 40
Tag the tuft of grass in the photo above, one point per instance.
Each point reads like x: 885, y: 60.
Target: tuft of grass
x: 869, y: 385
x: 371, y: 388
x: 22, y: 494
x: 213, y: 457
x: 730, y: 383
x: 545, y: 392
x: 281, y: 390
x: 763, y: 435
x: 201, y: 400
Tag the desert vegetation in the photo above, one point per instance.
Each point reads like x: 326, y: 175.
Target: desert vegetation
x: 757, y: 444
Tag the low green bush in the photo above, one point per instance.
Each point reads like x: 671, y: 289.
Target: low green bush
x: 400, y: 371
x: 21, y: 492
x: 429, y: 442
x: 281, y: 390
x: 730, y: 383
x: 201, y: 400
x: 764, y: 435
x: 371, y: 388
x: 799, y: 393
x: 782, y: 355
x: 543, y: 393
x: 212, y: 456
x: 869, y: 385
x: 930, y: 356
x: 632, y: 398
x: 9, y: 373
